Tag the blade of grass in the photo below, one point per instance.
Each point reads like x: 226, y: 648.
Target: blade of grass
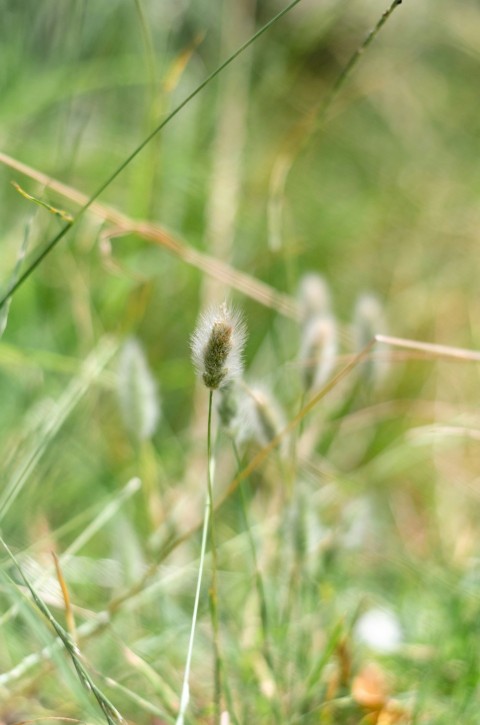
x: 61, y: 213
x: 431, y: 349
x: 69, y: 615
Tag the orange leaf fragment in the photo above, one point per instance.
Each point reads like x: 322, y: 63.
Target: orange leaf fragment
x: 369, y: 688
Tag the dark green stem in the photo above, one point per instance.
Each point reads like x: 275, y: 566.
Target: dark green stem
x: 345, y: 72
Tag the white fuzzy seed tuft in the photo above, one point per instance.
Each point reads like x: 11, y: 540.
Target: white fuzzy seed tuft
x: 313, y: 296
x: 217, y: 345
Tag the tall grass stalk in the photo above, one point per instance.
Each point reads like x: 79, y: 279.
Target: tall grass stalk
x: 217, y: 352
x: 213, y: 593
x: 185, y: 694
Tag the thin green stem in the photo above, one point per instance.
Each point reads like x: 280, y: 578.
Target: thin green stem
x: 51, y: 244
x: 185, y: 695
x: 347, y: 69
x: 213, y: 591
x: 207, y: 527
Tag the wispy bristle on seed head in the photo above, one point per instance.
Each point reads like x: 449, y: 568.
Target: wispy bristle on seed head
x: 313, y: 296
x: 217, y: 345
x: 318, y: 351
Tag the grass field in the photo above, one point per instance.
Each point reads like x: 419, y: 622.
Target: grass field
x: 325, y: 182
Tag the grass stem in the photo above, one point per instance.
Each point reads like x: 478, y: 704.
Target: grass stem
x: 185, y: 695
x: 213, y: 591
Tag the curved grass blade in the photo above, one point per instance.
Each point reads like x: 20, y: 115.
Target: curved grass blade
x: 64, y: 215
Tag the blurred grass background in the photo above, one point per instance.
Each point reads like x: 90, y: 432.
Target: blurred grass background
x: 381, y: 197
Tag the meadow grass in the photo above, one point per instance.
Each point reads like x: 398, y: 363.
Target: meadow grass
x: 168, y: 156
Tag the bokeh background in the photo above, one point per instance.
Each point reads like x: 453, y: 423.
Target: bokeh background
x: 378, y: 195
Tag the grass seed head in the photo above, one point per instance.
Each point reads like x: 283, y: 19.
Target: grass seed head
x: 137, y: 391
x: 217, y: 345
x: 262, y: 419
x: 318, y: 351
x: 228, y: 406
x: 313, y: 296
x: 368, y: 321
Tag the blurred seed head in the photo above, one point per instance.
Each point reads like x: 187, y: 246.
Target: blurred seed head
x: 228, y: 406
x: 380, y: 630
x: 313, y: 297
x: 318, y: 350
x: 137, y: 391
x: 217, y: 345
x: 368, y: 321
x: 261, y: 417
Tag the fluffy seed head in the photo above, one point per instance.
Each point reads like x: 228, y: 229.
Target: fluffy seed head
x: 138, y: 391
x: 217, y: 345
x: 318, y: 351
x: 368, y: 320
x: 261, y: 416
x: 313, y: 296
x: 380, y: 630
x: 228, y: 406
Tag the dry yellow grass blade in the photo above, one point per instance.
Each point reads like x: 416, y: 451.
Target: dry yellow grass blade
x: 176, y: 69
x: 69, y: 615
x: 53, y: 210
x: 431, y: 349
x: 224, y: 272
